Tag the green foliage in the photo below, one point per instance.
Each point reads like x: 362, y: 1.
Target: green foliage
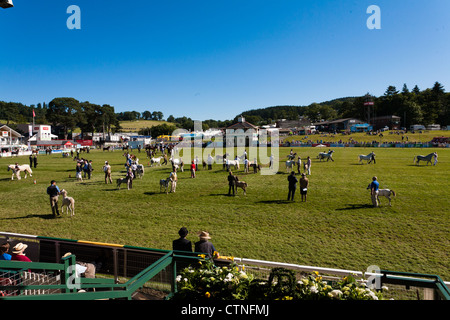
x: 161, y: 129
x: 208, y: 281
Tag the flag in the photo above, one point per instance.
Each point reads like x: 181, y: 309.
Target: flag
x: 34, y: 115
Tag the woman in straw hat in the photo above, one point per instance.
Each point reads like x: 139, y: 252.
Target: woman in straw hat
x: 18, y: 253
x: 205, y: 246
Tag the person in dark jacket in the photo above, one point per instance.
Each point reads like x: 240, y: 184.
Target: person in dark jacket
x: 35, y: 161
x: 231, y: 183
x: 292, y: 185
x: 182, y: 244
x: 205, y: 246
x: 53, y: 192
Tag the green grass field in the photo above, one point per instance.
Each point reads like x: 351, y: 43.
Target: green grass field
x: 336, y: 228
x: 387, y: 137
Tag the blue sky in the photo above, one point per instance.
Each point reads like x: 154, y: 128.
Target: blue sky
x: 214, y: 59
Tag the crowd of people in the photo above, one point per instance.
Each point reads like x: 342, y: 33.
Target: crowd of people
x: 83, y: 169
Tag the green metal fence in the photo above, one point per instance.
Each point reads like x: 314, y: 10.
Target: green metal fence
x: 72, y: 287
x: 125, y: 269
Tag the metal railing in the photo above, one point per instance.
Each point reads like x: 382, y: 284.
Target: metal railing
x: 432, y: 286
x: 121, y: 269
x: 65, y: 285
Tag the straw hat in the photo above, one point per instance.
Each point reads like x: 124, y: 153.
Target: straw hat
x: 19, y: 248
x: 204, y: 235
x: 66, y: 255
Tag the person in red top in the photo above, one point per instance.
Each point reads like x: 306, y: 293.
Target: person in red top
x: 192, y: 169
x: 18, y: 253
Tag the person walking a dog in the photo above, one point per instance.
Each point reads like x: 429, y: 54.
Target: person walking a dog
x: 304, y: 184
x: 231, y: 183
x: 173, y: 177
x: 129, y: 178
x: 107, y: 170
x: 53, y: 192
x: 374, y: 186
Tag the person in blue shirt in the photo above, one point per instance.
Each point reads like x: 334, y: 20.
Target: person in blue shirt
x: 53, y: 192
x: 4, y: 248
x: 374, y: 186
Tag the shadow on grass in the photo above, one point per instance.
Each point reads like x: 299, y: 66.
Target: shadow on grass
x: 276, y: 201
x: 29, y: 216
x: 356, y: 206
x: 152, y: 193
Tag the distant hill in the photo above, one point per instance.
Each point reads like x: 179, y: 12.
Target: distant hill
x: 289, y: 112
x: 136, y: 125
x: 338, y: 100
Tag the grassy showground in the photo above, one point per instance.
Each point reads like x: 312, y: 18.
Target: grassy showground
x: 386, y: 137
x: 337, y: 227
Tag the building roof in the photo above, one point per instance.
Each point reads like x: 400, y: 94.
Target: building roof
x: 242, y: 124
x: 286, y: 124
x: 386, y: 117
x: 14, y: 133
x: 54, y: 143
x: 337, y: 121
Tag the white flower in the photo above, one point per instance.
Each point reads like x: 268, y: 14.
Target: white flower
x: 336, y: 293
x: 313, y: 289
x: 178, y: 278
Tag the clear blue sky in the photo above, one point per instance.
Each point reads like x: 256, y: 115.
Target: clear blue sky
x: 214, y: 59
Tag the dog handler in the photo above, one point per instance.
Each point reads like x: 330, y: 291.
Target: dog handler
x: 374, y: 186
x: 53, y: 192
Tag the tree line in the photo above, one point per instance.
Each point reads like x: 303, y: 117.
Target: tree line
x: 69, y: 113
x: 428, y: 106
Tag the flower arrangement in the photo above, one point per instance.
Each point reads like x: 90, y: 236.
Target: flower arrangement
x: 205, y: 280
x: 208, y: 281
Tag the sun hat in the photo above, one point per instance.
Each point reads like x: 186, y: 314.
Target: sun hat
x: 20, y: 247
x: 204, y: 235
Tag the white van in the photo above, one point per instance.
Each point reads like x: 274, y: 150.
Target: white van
x: 434, y: 127
x: 416, y: 127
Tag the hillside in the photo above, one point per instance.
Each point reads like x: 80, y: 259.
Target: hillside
x: 135, y: 126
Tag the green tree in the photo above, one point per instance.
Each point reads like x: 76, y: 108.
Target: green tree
x: 63, y: 111
x: 90, y: 117
x: 162, y: 129
x: 146, y: 115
